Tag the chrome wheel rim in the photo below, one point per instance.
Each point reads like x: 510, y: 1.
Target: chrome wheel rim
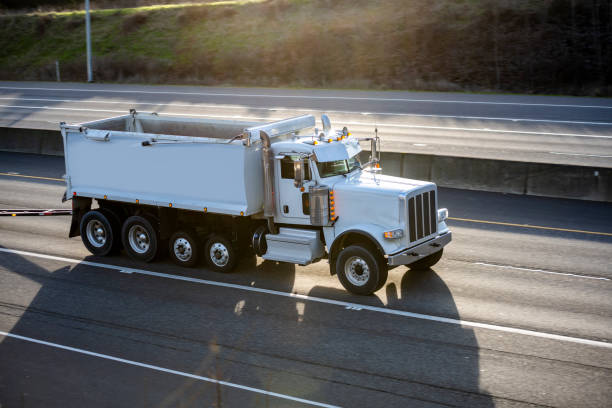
x: 182, y: 250
x: 96, y: 233
x: 219, y: 255
x: 357, y: 271
x: 139, y: 239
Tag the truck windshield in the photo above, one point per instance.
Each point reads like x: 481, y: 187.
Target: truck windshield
x: 338, y: 167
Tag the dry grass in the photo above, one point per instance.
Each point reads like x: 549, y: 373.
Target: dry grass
x: 500, y: 45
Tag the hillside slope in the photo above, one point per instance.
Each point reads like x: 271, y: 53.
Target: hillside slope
x: 544, y: 46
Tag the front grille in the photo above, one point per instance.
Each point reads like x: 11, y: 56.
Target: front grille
x: 422, y: 215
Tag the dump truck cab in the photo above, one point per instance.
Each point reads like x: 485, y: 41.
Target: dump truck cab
x: 321, y: 182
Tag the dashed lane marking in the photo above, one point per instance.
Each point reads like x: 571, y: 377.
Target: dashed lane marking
x: 541, y: 271
x: 380, y: 125
x: 509, y: 224
x: 354, y: 307
x: 31, y: 177
x: 349, y: 98
x: 167, y: 370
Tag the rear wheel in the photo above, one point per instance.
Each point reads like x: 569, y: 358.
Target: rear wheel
x: 115, y: 222
x: 184, y: 248
x: 140, y: 239
x: 360, y: 271
x: 97, y: 233
x: 220, y: 254
x: 427, y: 262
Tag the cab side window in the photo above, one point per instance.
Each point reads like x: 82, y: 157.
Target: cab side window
x: 287, y: 168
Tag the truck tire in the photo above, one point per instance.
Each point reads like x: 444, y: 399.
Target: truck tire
x: 220, y: 254
x: 427, y: 262
x: 360, y: 271
x: 97, y: 233
x: 139, y: 238
x: 115, y: 222
x: 184, y: 248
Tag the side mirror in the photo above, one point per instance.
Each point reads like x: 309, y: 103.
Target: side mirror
x: 298, y: 171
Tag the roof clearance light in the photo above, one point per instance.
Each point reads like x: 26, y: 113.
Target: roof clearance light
x: 395, y: 234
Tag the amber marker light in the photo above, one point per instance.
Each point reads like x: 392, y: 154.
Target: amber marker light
x: 105, y: 197
x: 205, y: 209
x: 170, y: 205
x: 241, y: 213
x: 137, y: 201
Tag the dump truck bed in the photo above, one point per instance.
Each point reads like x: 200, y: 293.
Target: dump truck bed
x: 193, y: 164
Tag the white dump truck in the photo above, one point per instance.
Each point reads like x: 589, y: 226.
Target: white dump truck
x: 219, y: 189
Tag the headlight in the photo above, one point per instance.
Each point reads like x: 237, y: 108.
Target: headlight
x: 398, y: 233
x: 442, y: 214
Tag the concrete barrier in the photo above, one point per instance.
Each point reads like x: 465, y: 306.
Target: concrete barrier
x: 31, y: 141
x: 549, y: 180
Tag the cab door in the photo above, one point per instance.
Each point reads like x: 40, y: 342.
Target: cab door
x: 292, y: 203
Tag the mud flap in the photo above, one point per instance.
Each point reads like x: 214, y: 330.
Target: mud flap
x: 80, y: 206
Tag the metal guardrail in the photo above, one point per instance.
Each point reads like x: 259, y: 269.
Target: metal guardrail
x: 33, y: 212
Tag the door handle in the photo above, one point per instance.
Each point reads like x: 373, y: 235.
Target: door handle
x: 286, y: 209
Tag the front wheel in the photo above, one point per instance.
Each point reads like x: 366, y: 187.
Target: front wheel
x: 220, y: 254
x: 427, y: 262
x: 360, y: 271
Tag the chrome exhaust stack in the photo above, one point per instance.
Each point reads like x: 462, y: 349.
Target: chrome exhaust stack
x: 266, y: 157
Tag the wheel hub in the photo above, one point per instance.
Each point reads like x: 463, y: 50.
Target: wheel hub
x: 219, y: 254
x: 139, y: 239
x: 183, y: 249
x: 96, y: 233
x: 357, y: 271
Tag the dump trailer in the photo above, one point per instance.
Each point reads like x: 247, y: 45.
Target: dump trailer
x: 218, y: 190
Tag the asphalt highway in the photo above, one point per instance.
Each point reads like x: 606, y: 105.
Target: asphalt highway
x: 517, y: 314
x: 541, y: 129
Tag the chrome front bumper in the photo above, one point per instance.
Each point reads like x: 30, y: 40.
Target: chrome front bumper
x: 420, y: 251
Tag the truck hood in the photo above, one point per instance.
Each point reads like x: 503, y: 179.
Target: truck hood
x: 374, y: 199
x: 366, y: 182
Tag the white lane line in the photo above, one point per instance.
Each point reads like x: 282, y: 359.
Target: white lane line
x: 345, y: 98
x: 541, y: 271
x: 580, y: 154
x: 278, y: 109
x: 167, y: 370
x: 379, y: 125
x: 346, y: 305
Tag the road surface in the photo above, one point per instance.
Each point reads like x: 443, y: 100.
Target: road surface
x: 540, y: 129
x: 514, y: 315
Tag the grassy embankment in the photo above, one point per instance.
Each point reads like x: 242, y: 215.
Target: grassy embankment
x: 551, y: 46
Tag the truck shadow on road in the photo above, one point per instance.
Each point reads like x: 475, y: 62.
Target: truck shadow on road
x: 296, y: 347
x: 419, y: 360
